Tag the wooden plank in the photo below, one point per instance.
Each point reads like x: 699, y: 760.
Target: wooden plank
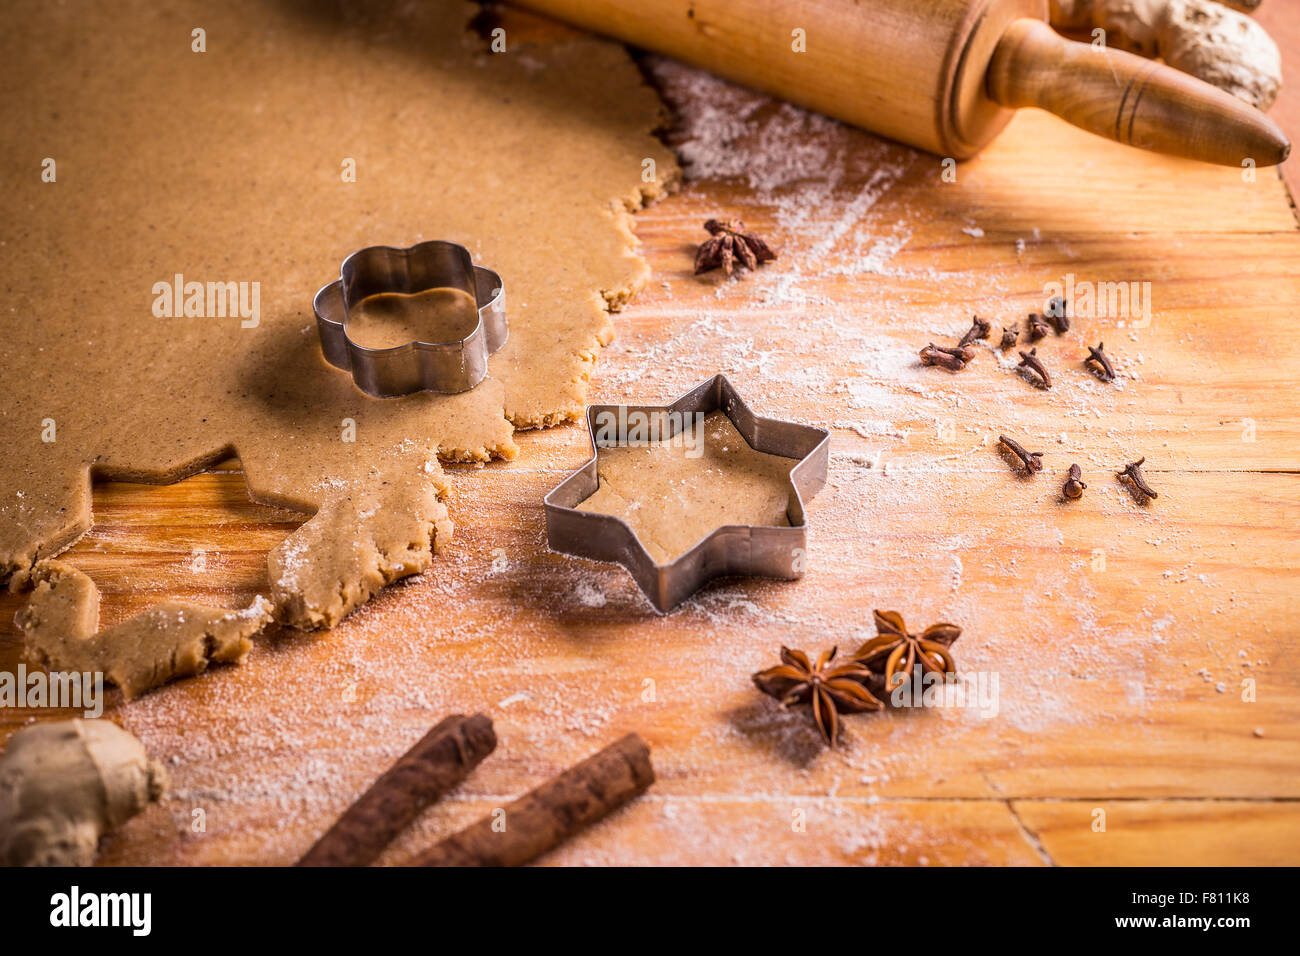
x: 198, y: 540
x: 1160, y: 833
x: 1282, y: 21
x: 1199, y: 387
x: 1048, y: 174
x: 1123, y: 635
x: 677, y: 831
x: 1119, y: 694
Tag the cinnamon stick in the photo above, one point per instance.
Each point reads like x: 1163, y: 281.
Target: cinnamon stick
x: 553, y: 812
x: 435, y: 765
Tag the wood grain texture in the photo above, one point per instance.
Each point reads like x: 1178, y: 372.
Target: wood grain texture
x: 1163, y: 833
x: 1143, y: 651
x: 1282, y: 21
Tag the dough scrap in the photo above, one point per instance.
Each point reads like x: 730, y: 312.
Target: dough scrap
x: 230, y: 166
x: 672, y: 500
x: 365, y: 536
x: 60, y: 625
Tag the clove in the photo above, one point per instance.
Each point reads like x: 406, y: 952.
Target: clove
x: 1030, y: 361
x: 1057, y: 313
x: 1133, y: 472
x: 1009, y: 335
x: 1104, y: 370
x: 1032, y: 460
x: 1074, y: 484
x: 953, y: 359
x: 979, y: 329
x: 1037, y: 326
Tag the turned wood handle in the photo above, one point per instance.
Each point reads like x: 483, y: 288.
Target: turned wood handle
x: 1129, y: 99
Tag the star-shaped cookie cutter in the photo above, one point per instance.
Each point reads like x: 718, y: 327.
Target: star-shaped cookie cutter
x: 454, y: 366
x: 743, y: 550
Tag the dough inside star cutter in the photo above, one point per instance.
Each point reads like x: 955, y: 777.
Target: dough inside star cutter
x: 381, y: 288
x: 584, y: 520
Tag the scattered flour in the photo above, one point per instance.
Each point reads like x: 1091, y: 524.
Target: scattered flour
x: 566, y: 647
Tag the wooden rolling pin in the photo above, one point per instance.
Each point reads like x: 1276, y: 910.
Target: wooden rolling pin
x: 943, y: 75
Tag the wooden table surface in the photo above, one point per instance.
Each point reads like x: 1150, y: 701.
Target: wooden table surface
x: 1148, y: 705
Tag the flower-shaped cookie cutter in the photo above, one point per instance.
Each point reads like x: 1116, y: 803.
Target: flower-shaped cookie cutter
x: 454, y: 366
x: 744, y: 550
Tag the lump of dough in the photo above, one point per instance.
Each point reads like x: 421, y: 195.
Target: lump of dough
x: 367, y: 535
x: 60, y: 626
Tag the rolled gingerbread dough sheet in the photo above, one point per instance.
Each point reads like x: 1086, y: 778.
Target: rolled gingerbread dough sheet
x: 181, y: 178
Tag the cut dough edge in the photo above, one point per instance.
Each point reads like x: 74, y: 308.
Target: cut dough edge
x: 367, y: 534
x: 60, y: 625
x: 612, y: 299
x: 364, y: 536
x: 358, y: 541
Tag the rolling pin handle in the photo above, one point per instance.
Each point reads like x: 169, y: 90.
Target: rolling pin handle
x: 1129, y: 99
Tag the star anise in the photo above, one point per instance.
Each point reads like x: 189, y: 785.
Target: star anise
x: 896, y: 653
x: 799, y: 681
x: 731, y: 244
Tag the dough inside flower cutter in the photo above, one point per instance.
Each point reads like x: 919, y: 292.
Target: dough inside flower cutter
x: 385, y: 295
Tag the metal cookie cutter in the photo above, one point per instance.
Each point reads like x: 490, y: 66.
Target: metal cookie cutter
x: 455, y: 366
x: 765, y: 551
